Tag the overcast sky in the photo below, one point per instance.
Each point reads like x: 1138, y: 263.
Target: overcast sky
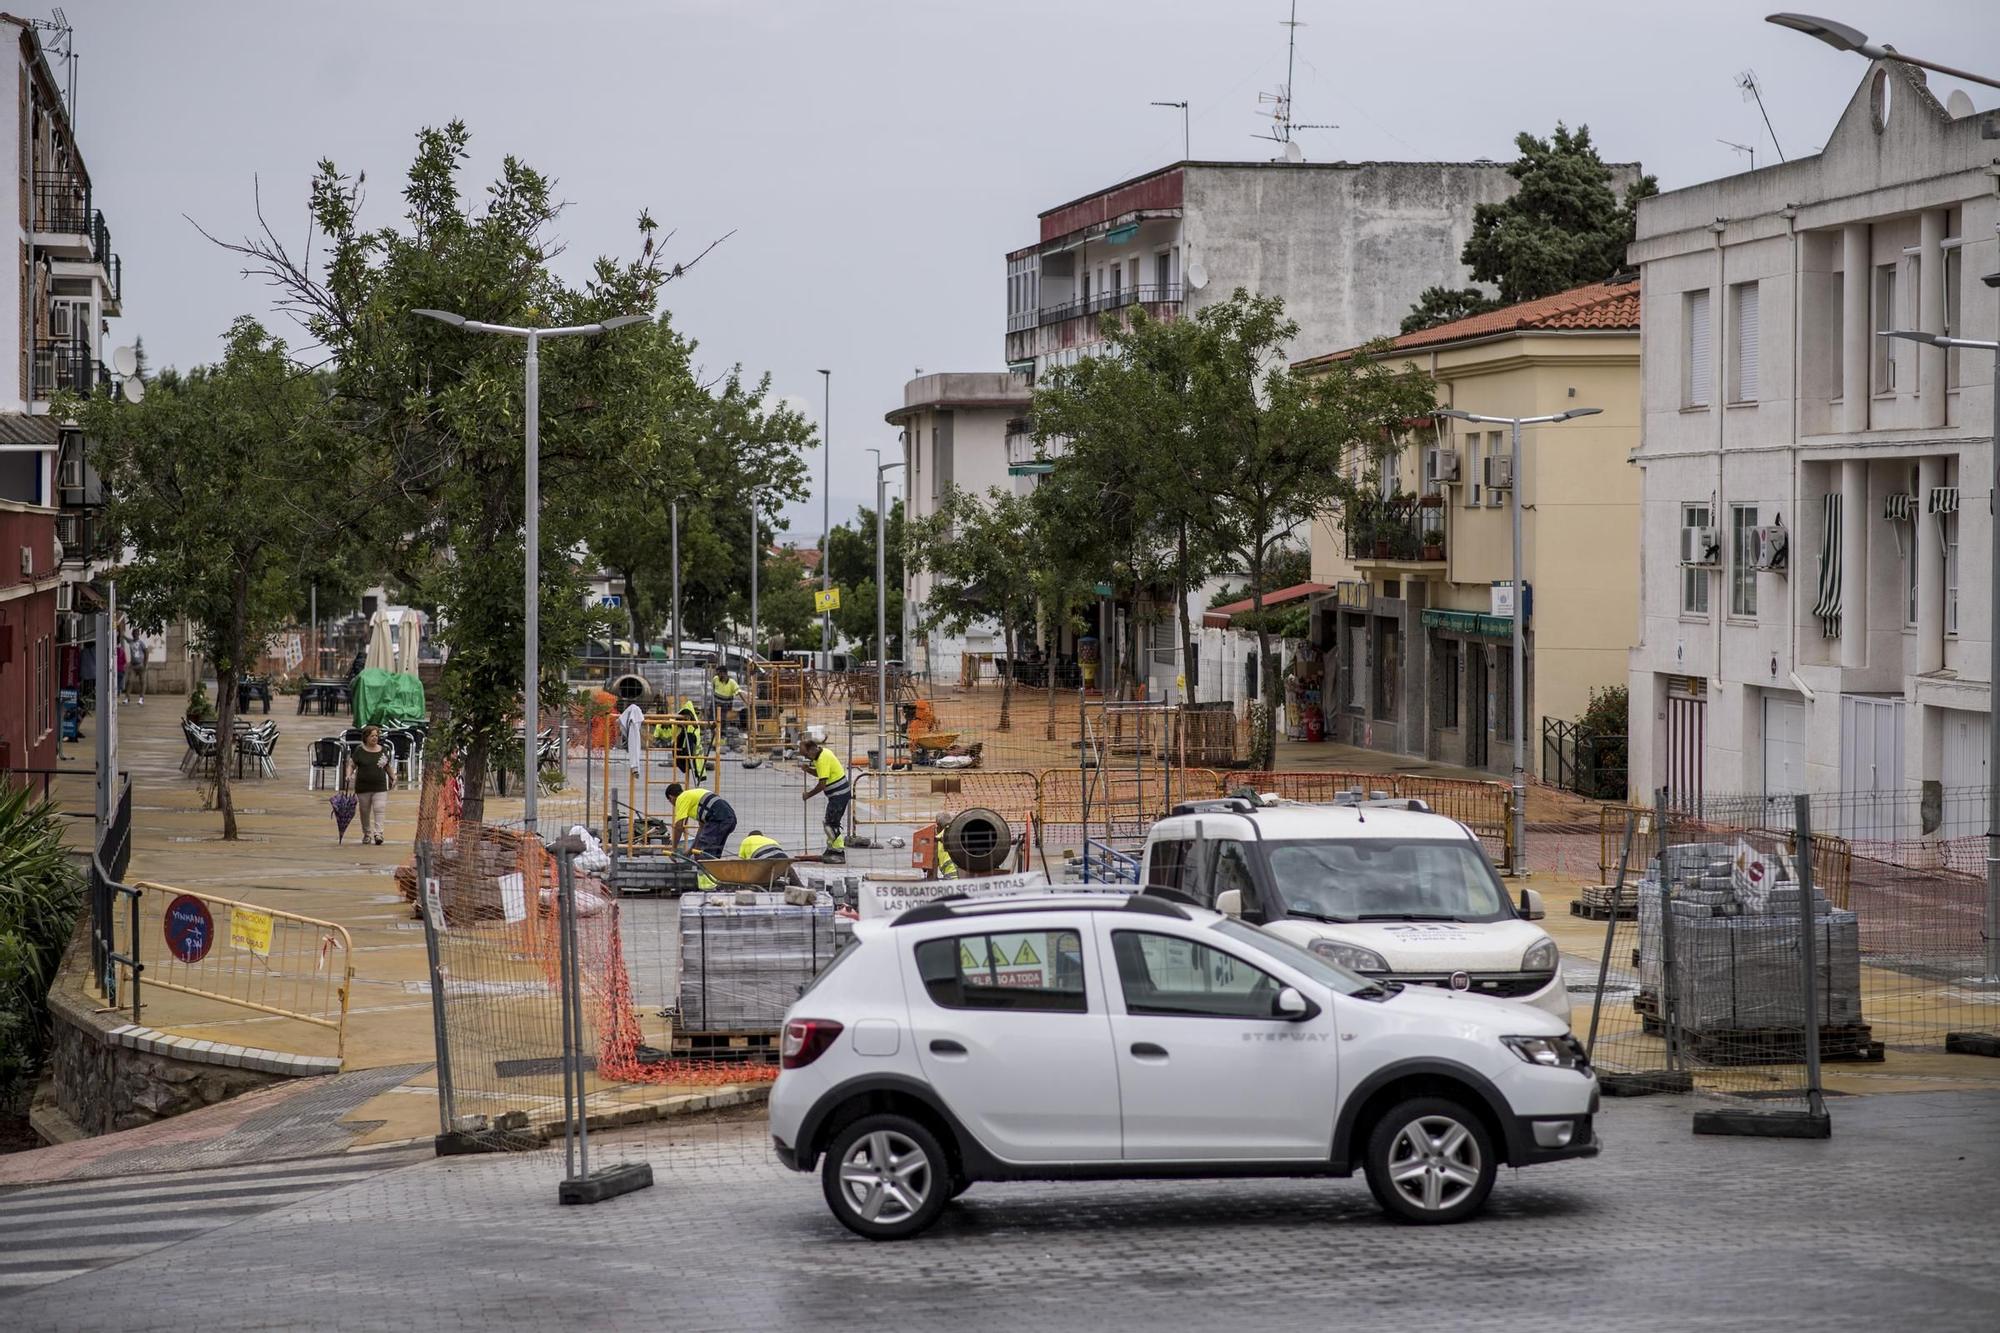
x: 877, y: 158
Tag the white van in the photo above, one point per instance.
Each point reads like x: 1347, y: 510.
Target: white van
x: 1384, y: 888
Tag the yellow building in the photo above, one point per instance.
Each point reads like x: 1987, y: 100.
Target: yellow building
x: 1417, y: 634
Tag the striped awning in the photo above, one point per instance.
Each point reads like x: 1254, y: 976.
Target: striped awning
x: 1827, y: 608
x: 1900, y: 507
x: 1944, y: 500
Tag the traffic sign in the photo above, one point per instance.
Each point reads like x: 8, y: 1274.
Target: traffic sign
x: 189, y: 928
x: 827, y: 601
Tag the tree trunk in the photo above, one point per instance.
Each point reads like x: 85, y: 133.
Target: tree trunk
x: 1264, y: 745
x: 632, y: 621
x: 472, y: 777
x: 1133, y: 678
x: 1049, y: 681
x: 226, y: 675
x: 1190, y: 653
x: 1007, y: 680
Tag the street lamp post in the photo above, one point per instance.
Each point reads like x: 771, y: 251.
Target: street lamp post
x: 1843, y: 38
x: 1518, y: 709
x: 826, y: 516
x: 1992, y: 976
x: 531, y: 631
x: 882, y: 616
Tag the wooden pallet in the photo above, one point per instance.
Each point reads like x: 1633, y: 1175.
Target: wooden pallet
x: 1600, y: 902
x: 743, y: 1047
x: 1849, y: 1044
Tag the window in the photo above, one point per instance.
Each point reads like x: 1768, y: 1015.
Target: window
x: 1743, y: 560
x: 1357, y: 879
x: 1694, y: 578
x: 1083, y: 288
x: 43, y: 720
x: 1954, y: 274
x: 1167, y: 863
x: 1743, y: 363
x: 1117, y: 283
x: 1694, y: 313
x: 1475, y: 480
x: 937, y: 472
x: 1036, y: 970
x: 1950, y: 523
x: 1163, y: 274
x: 1496, y: 447
x: 1231, y: 871
x: 1167, y: 975
x: 1388, y: 670
x: 1908, y: 547
x: 1882, y: 317
x: 1448, y: 686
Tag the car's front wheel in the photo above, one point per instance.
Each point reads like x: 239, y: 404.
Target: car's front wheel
x: 886, y: 1177
x: 1431, y: 1160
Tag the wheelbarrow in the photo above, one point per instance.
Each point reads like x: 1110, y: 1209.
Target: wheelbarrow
x: 755, y: 873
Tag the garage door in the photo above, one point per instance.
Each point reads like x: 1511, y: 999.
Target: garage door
x: 1784, y: 746
x: 1964, y: 776
x: 1871, y: 761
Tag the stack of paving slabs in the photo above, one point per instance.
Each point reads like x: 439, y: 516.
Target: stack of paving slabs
x: 1734, y: 977
x: 746, y: 957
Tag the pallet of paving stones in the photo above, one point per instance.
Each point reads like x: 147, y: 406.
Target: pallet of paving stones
x: 1602, y: 902
x: 639, y: 873
x: 746, y: 957
x: 1724, y: 1046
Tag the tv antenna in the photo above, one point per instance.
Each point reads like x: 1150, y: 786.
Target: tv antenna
x: 62, y: 46
x: 1280, y: 102
x: 1741, y: 148
x: 1754, y: 92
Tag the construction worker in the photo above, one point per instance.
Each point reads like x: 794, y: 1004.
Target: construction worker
x: 757, y: 847
x: 832, y: 775
x: 946, y: 867
x: 714, y: 819
x: 728, y: 696
x: 689, y: 760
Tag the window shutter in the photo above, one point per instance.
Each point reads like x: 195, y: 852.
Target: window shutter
x: 1698, y: 348
x: 1746, y: 343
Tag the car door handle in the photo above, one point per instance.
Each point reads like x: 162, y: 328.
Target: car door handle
x: 1146, y: 1050
x: 944, y: 1047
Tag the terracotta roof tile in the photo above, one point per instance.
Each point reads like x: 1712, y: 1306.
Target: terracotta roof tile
x: 1606, y: 306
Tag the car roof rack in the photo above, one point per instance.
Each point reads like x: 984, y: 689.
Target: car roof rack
x: 937, y: 909
x: 959, y: 906
x: 1218, y: 805
x: 1171, y: 895
x: 1155, y: 906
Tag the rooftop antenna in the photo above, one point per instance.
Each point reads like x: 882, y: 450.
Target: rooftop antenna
x: 1280, y: 101
x: 62, y: 45
x: 1742, y: 148
x: 1754, y: 92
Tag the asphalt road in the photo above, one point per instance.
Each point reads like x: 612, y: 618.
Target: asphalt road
x: 1889, y: 1224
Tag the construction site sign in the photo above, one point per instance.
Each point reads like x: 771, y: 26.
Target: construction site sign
x: 250, y: 931
x: 879, y: 897
x: 828, y: 600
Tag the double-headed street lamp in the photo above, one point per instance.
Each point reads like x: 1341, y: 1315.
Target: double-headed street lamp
x: 531, y: 775
x: 1519, y: 690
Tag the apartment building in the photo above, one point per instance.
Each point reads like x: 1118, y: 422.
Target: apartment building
x: 28, y: 658
x: 954, y: 431
x: 65, y: 285
x: 1418, y: 626
x: 1817, y: 525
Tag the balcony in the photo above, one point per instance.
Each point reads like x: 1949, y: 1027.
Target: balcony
x: 1399, y: 531
x: 62, y: 204
x: 65, y: 365
x: 1149, y: 295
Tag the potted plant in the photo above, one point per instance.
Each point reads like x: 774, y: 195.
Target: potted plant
x: 1431, y: 500
x: 1385, y: 536
x: 1434, y: 543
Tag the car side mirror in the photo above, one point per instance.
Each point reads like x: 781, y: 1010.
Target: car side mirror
x: 1531, y: 906
x: 1230, y: 902
x: 1290, y: 1004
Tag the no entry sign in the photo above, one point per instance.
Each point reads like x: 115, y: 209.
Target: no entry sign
x: 189, y: 928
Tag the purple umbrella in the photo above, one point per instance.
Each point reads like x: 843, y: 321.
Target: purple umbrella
x: 343, y: 804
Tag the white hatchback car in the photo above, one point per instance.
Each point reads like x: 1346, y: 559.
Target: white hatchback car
x: 1385, y: 888
x: 1100, y: 1036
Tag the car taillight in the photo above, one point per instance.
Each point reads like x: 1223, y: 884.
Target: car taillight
x: 805, y: 1040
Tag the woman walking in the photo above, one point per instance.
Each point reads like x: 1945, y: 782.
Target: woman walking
x: 374, y: 776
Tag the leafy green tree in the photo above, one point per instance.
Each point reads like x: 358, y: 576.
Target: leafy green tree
x: 785, y: 615
x: 851, y: 551
x: 1564, y: 227
x: 980, y: 553
x: 220, y: 482
x: 441, y: 409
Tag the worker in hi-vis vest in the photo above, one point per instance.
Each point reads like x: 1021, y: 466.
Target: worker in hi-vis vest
x: 946, y: 867
x: 688, y: 756
x: 833, y: 782
x: 713, y: 818
x: 728, y: 693
x: 757, y: 847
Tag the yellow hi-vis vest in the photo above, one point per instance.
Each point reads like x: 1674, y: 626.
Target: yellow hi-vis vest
x: 757, y: 847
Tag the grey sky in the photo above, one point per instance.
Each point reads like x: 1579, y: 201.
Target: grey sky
x: 877, y: 159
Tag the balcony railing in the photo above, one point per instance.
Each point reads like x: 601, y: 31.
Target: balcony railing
x: 67, y: 365
x: 114, y: 273
x: 100, y: 238
x: 62, y: 203
x: 1394, y: 529
x: 1143, y: 294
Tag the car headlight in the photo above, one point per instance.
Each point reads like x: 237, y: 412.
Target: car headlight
x: 1564, y: 1052
x: 1350, y: 956
x: 1542, y: 956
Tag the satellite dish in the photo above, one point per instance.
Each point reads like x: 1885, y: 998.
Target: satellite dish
x: 125, y: 361
x: 1294, y: 153
x: 1197, y: 275
x: 133, y: 388
x: 1958, y: 105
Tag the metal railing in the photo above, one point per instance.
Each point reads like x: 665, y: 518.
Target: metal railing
x: 1096, y: 302
x: 1582, y: 761
x: 1394, y: 530
x: 62, y: 203
x: 66, y: 364
x: 109, y: 861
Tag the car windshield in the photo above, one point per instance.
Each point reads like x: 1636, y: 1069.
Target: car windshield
x: 1331, y: 975
x: 1370, y: 880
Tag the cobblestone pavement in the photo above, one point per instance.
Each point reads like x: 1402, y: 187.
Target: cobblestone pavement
x: 1889, y: 1224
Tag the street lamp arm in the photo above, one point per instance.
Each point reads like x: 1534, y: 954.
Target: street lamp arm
x: 1843, y: 38
x: 1940, y: 340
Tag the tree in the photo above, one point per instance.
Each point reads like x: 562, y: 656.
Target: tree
x: 1442, y: 305
x: 1271, y: 441
x: 441, y: 409
x: 980, y: 553
x: 851, y: 553
x: 219, y: 482
x: 785, y: 615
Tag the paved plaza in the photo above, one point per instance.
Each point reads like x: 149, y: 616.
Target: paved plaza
x: 1887, y: 1225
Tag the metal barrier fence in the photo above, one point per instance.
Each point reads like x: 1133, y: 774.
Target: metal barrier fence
x: 1484, y: 807
x: 240, y: 954
x: 112, y: 858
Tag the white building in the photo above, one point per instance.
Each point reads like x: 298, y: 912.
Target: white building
x: 955, y: 429
x: 1814, y: 611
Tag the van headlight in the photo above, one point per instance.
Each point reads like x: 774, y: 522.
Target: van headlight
x: 1350, y: 956
x: 1542, y: 956
x: 1564, y: 1052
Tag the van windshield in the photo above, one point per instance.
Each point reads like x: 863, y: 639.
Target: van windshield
x: 1365, y: 880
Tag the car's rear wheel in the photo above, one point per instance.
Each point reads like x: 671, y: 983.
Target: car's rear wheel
x: 1430, y: 1160
x: 886, y: 1177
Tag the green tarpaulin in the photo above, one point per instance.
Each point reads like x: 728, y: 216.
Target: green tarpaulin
x: 382, y: 697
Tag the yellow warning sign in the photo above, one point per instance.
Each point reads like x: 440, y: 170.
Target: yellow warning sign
x: 250, y: 931
x: 966, y: 960
x: 828, y: 600
x: 1027, y: 955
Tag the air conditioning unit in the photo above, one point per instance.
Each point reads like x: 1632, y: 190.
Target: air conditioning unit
x: 1499, y: 473
x: 69, y: 531
x: 65, y: 596
x: 71, y: 476
x: 1698, y: 546
x: 69, y: 627
x: 1771, y: 544
x: 1442, y: 464
x: 27, y: 562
